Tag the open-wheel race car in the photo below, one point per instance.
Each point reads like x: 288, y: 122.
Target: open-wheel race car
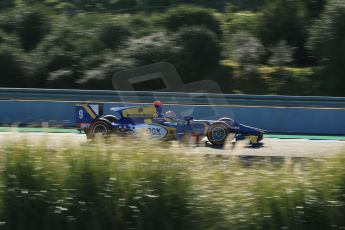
x: 166, y: 126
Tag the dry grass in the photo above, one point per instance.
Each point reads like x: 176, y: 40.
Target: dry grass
x: 135, y: 185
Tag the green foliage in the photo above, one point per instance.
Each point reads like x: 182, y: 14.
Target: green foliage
x: 185, y: 15
x: 327, y: 42
x: 243, y: 21
x: 5, y: 4
x: 314, y: 7
x: 151, y: 49
x: 200, y: 52
x: 144, y: 25
x: 281, y: 54
x: 240, y: 5
x: 100, y: 77
x: 113, y: 35
x: 245, y: 48
x: 29, y: 24
x: 249, y: 78
x: 61, y: 79
x: 123, y: 5
x: 279, y: 19
x: 32, y: 27
x: 10, y: 40
x: 12, y: 67
x: 69, y: 44
x: 7, y: 22
x: 289, y: 81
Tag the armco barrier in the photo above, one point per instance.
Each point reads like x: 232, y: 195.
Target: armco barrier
x: 170, y: 97
x: 278, y: 114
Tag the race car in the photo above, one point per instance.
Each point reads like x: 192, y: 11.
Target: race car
x: 159, y: 125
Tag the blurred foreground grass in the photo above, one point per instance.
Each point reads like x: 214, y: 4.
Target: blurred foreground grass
x: 136, y: 185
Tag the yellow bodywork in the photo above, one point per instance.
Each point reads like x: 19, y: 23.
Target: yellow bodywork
x: 147, y: 111
x: 89, y: 111
x: 253, y: 139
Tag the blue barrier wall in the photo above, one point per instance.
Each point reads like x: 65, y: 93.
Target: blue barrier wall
x: 274, y: 119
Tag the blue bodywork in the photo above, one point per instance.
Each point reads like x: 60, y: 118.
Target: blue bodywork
x: 131, y: 119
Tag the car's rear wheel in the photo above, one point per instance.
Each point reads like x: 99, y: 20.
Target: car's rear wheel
x: 100, y: 128
x: 217, y: 133
x: 110, y: 118
x: 225, y: 119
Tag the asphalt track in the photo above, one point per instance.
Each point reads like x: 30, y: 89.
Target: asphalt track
x: 273, y: 145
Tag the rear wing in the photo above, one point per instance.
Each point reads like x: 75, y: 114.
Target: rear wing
x: 86, y: 114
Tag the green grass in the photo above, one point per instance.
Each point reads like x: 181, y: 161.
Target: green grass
x: 135, y: 185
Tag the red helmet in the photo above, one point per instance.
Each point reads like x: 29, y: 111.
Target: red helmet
x: 157, y: 103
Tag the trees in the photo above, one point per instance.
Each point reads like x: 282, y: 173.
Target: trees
x: 286, y: 20
x: 12, y: 68
x: 185, y: 15
x: 245, y: 49
x: 32, y: 27
x: 195, y: 51
x: 101, y: 76
x: 29, y: 24
x: 200, y: 52
x: 112, y: 35
x: 64, y: 43
x: 6, y: 3
x: 327, y: 41
x: 150, y: 49
x: 281, y: 54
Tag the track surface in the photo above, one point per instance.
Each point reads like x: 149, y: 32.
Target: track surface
x: 271, y: 146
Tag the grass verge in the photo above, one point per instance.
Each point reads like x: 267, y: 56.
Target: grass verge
x: 134, y: 185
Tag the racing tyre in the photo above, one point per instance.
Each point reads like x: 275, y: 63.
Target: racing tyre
x: 110, y: 118
x: 225, y: 119
x: 217, y: 133
x: 100, y: 128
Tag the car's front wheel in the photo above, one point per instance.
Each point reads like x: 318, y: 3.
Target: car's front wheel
x: 217, y: 133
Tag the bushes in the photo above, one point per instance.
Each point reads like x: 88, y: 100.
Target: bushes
x: 243, y: 21
x: 12, y: 67
x: 113, y: 35
x: 278, y: 19
x: 56, y: 40
x: 29, y: 24
x: 183, y: 16
x: 151, y: 49
x: 327, y: 43
x: 100, y: 77
x: 194, y: 51
x: 200, y: 52
x: 245, y: 49
x: 32, y: 27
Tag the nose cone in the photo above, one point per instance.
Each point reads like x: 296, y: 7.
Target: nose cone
x: 262, y: 131
x: 252, y: 130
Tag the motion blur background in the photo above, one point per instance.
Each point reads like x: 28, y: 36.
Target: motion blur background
x: 291, y: 47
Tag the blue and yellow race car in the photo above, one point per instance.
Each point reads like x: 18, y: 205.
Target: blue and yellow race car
x: 159, y: 125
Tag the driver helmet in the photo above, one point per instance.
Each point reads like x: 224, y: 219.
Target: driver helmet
x: 170, y: 114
